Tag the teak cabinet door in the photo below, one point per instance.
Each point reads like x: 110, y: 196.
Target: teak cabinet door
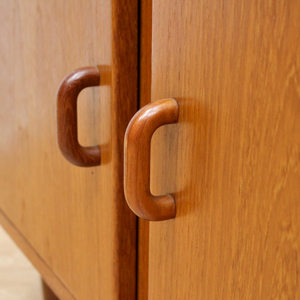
x: 73, y: 223
x: 232, y: 162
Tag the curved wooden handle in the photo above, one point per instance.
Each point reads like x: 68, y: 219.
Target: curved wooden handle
x: 67, y: 135
x: 137, y: 161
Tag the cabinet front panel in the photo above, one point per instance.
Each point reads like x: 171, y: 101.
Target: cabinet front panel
x: 75, y: 218
x: 232, y: 162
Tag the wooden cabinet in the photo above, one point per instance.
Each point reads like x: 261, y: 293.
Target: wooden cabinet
x: 73, y: 223
x: 231, y: 162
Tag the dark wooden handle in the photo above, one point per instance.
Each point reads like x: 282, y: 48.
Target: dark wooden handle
x: 67, y: 135
x: 137, y: 161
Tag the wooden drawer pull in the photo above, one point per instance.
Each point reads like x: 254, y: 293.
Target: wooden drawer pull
x: 137, y: 161
x: 67, y: 135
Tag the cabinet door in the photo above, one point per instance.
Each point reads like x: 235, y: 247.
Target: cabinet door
x: 232, y: 162
x: 72, y: 222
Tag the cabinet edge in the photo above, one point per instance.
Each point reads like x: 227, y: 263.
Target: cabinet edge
x: 48, y: 276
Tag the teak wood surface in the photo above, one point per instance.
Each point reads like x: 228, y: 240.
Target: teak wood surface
x: 45, y: 271
x: 48, y: 293
x: 74, y: 222
x: 232, y: 161
x: 145, y: 38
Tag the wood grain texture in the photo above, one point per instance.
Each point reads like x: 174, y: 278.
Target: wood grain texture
x: 145, y: 37
x: 137, y: 147
x: 49, y: 277
x: 19, y: 280
x: 76, y: 219
x: 145, y: 45
x: 66, y: 111
x: 233, y: 160
x: 143, y: 259
x: 48, y: 293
